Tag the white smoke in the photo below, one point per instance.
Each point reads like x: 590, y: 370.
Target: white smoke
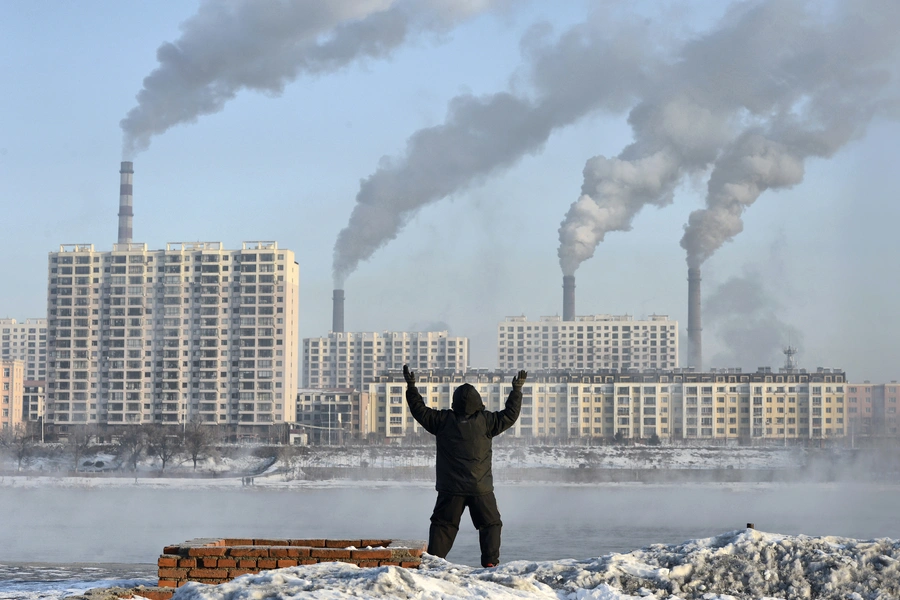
x: 262, y: 45
x: 774, y: 83
x: 590, y: 67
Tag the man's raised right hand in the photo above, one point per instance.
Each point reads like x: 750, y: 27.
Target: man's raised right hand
x: 519, y: 380
x: 409, y: 376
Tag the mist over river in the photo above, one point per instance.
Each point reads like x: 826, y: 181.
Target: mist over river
x: 132, y: 523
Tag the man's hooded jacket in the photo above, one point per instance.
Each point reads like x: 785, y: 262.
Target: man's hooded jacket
x: 464, y: 436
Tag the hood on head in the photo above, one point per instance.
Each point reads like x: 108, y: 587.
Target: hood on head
x: 466, y: 400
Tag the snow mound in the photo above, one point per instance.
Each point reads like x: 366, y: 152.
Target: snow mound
x: 740, y: 565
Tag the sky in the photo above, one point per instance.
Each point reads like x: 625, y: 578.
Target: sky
x: 445, y: 161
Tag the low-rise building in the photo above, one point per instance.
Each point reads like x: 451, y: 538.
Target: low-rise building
x: 333, y: 416
x: 723, y: 406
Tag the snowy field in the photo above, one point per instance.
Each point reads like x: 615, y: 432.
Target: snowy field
x: 234, y: 460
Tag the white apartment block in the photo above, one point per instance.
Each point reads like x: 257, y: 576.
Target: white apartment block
x: 333, y: 416
x: 724, y: 406
x: 592, y: 343
x: 356, y: 359
x: 26, y: 342
x: 193, y: 331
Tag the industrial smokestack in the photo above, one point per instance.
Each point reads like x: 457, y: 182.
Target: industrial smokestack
x: 337, y: 313
x: 568, y: 297
x: 695, y: 344
x: 125, y: 202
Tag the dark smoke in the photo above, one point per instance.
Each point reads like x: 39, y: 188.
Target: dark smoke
x: 264, y: 45
x: 593, y: 66
x: 774, y: 83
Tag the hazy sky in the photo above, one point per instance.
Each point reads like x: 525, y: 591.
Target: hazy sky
x: 451, y: 139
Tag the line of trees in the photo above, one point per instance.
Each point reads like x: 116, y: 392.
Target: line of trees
x: 130, y: 444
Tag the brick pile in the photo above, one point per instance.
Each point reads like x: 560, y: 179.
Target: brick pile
x: 216, y: 561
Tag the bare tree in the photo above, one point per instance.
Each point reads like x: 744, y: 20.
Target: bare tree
x: 164, y: 443
x: 79, y: 440
x: 199, y: 440
x: 17, y: 443
x: 132, y: 444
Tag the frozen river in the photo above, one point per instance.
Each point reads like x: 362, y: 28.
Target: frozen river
x: 131, y: 524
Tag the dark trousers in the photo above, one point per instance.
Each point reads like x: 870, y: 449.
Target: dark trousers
x: 485, y: 517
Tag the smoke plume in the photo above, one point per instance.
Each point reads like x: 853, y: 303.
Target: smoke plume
x: 743, y: 315
x: 590, y: 67
x: 774, y: 83
x: 263, y: 45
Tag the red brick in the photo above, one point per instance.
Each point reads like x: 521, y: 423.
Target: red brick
x: 287, y: 562
x: 247, y: 563
x: 248, y: 551
x: 374, y: 543
x: 167, y: 561
x: 238, y: 542
x: 308, y: 543
x: 281, y: 551
x: 265, y: 542
x: 238, y: 572
x: 156, y: 594
x: 371, y: 554
x: 188, y: 563
x: 368, y: 563
x: 173, y: 550
x: 308, y: 561
x: 409, y: 564
x: 173, y: 573
x: 415, y: 551
x: 226, y: 562
x: 266, y: 563
x: 167, y: 583
x: 207, y: 551
x: 391, y: 563
x: 329, y: 553
x: 208, y: 562
x: 208, y: 573
x: 341, y: 543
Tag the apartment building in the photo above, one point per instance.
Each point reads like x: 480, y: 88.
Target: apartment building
x: 872, y: 408
x: 353, y: 360
x: 26, y: 342
x: 192, y: 331
x: 33, y: 401
x: 725, y: 406
x: 12, y: 388
x: 592, y: 343
x: 333, y: 416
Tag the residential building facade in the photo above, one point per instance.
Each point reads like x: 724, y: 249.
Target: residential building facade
x: 873, y: 408
x: 192, y: 331
x: 33, y: 401
x: 352, y: 360
x: 723, y: 406
x: 592, y: 343
x: 12, y: 389
x: 333, y: 416
x: 27, y: 342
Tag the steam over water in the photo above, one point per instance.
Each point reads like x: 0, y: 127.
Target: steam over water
x: 132, y: 524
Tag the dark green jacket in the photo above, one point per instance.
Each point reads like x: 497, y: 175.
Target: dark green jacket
x: 464, y: 437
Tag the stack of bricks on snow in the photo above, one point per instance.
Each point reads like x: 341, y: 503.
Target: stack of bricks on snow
x: 219, y: 560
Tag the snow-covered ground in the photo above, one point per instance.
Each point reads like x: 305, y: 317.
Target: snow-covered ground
x: 745, y: 564
x: 244, y: 460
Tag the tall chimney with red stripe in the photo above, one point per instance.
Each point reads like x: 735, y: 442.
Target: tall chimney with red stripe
x: 126, y: 201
